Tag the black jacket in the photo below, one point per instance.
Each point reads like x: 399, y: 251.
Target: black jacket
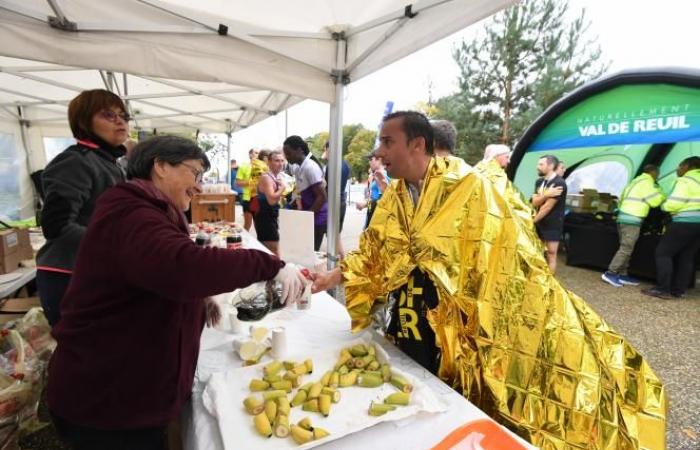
x: 72, y: 182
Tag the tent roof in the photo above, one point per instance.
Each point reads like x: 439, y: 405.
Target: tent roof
x: 220, y: 67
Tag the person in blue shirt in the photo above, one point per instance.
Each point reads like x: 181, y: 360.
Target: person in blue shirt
x: 234, y: 186
x: 377, y: 182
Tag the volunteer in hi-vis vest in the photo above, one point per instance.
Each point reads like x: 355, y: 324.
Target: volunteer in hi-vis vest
x: 72, y: 182
x: 675, y: 254
x: 635, y: 201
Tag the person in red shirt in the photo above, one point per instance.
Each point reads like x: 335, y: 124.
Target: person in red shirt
x: 132, y: 317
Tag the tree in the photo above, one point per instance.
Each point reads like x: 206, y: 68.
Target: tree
x: 316, y: 143
x: 359, y: 148
x: 525, y: 58
x: 318, y: 140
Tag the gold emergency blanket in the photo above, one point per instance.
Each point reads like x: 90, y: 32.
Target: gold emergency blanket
x: 531, y: 354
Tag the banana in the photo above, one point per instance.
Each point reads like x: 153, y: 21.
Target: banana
x: 306, y: 386
x: 401, y: 383
x: 253, y: 405
x: 258, y: 385
x: 315, y: 390
x: 271, y: 410
x: 374, y: 365
x: 299, y: 398
x: 300, y: 435
x: 293, y: 377
x: 386, y: 372
x: 358, y: 350
x: 398, y: 398
x: 284, y: 385
x: 305, y: 423
x: 379, y: 409
x: 300, y: 369
x: 283, y: 406
x: 256, y: 359
x: 374, y: 373
x: 324, y: 404
x: 369, y: 381
x: 335, y: 394
x: 348, y: 379
x: 272, y: 368
x: 343, y: 370
x: 273, y: 378
x: 345, y: 356
x: 371, y: 350
x: 320, y: 433
x: 310, y: 405
x: 309, y: 366
x: 359, y: 362
x: 271, y: 395
x: 288, y: 365
x: 282, y: 426
x: 335, y: 379
x: 326, y: 378
x: 262, y: 424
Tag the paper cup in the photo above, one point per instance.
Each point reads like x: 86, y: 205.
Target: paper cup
x: 279, y: 343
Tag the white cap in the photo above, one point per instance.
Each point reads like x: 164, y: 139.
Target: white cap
x: 493, y: 150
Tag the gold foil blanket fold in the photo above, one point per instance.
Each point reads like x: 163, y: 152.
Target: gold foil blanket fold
x: 531, y: 354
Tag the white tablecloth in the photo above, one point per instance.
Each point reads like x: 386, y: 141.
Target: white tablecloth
x: 326, y: 324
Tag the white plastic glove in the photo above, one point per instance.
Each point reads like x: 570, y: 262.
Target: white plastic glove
x: 293, y: 283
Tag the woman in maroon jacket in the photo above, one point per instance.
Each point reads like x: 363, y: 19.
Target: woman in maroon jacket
x: 131, y: 320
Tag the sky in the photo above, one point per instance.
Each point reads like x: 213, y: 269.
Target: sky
x: 631, y: 33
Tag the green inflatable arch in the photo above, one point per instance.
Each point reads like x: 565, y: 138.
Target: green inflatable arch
x: 608, y: 129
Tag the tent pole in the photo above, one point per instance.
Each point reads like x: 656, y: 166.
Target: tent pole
x: 335, y: 156
x: 228, y: 153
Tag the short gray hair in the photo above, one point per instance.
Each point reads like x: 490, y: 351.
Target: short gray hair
x: 445, y: 135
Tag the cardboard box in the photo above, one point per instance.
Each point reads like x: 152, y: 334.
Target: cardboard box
x: 574, y: 200
x: 18, y: 305
x: 11, y: 249
x: 213, y: 208
x: 590, y: 199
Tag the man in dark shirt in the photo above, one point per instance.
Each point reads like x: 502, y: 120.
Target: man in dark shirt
x: 550, y: 192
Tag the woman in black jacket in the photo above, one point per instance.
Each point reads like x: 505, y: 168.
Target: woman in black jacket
x: 72, y: 182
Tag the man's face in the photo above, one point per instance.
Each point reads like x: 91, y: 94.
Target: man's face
x: 543, y: 167
x: 291, y: 155
x: 395, y: 150
x: 375, y: 164
x: 654, y: 174
x: 234, y: 164
x: 681, y: 170
x: 561, y: 169
x: 253, y: 155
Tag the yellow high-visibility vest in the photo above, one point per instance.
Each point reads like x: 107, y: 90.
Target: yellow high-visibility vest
x: 639, y: 196
x: 684, y: 201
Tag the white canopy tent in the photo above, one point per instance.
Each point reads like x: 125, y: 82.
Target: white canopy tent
x: 218, y: 68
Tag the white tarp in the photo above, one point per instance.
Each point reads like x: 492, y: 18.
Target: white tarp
x: 213, y: 65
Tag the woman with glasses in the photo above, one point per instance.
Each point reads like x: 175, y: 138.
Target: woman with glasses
x: 131, y: 320
x: 72, y: 182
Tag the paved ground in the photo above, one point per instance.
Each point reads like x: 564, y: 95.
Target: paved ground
x: 666, y: 333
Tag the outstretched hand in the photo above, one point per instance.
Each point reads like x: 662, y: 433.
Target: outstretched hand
x: 326, y: 280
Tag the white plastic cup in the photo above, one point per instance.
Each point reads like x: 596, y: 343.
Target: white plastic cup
x: 279, y: 343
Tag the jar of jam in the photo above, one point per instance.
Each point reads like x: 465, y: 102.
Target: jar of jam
x: 234, y: 241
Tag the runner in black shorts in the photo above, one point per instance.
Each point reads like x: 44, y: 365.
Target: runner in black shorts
x: 549, y: 198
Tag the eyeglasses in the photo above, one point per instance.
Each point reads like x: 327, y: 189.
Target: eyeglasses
x: 198, y: 174
x: 111, y: 116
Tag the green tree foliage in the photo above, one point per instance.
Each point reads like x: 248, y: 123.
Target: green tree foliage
x: 358, y: 150
x: 524, y: 59
x: 358, y: 142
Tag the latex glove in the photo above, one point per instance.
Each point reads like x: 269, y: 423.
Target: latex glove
x: 293, y: 283
x: 213, y: 312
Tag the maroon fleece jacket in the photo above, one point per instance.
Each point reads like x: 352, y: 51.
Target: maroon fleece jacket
x: 131, y: 320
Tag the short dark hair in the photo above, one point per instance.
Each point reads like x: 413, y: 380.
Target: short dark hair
x: 649, y: 168
x: 414, y: 125
x: 83, y: 108
x: 263, y: 154
x: 445, y: 135
x: 551, y: 159
x: 297, y: 143
x: 171, y: 149
x: 691, y: 163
